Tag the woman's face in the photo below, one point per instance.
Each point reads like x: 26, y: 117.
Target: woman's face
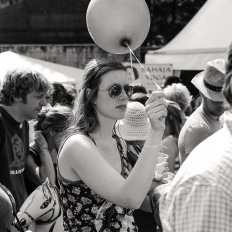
x: 106, y: 106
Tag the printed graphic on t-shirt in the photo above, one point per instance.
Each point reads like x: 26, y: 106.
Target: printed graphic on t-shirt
x: 17, y: 165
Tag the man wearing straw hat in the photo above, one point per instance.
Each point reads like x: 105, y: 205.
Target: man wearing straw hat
x: 205, y: 120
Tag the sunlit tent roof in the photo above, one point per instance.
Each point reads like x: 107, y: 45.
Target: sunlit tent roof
x: 206, y: 37
x: 53, y: 72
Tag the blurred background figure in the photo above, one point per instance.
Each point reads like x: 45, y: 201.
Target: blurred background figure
x: 179, y: 93
x: 196, y: 101
x: 173, y: 123
x: 139, y: 88
x: 48, y: 129
x: 42, y: 158
x: 170, y: 80
x: 139, y: 97
x: 63, y: 94
x: 71, y: 94
x: 139, y: 94
x: 6, y: 209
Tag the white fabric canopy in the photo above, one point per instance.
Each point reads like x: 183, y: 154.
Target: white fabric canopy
x: 206, y: 37
x: 53, y: 72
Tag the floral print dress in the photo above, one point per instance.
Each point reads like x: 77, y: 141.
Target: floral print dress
x: 84, y: 210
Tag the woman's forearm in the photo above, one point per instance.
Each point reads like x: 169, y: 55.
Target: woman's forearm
x: 47, y: 168
x: 139, y: 181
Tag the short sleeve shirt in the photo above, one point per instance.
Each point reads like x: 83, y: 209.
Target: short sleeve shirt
x: 196, y: 129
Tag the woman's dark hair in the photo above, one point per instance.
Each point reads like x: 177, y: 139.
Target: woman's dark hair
x: 135, y: 71
x: 63, y: 95
x: 227, y: 89
x: 53, y: 118
x: 86, y: 119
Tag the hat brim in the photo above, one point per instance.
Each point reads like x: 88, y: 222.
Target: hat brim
x: 132, y: 133
x: 212, y: 95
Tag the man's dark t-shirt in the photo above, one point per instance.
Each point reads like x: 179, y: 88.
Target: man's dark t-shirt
x: 14, y: 145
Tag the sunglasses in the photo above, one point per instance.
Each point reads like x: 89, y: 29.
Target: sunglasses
x: 116, y: 90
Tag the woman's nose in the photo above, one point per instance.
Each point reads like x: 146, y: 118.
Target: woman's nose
x: 123, y: 95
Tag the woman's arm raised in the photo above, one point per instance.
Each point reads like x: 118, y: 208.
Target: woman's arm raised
x: 82, y: 156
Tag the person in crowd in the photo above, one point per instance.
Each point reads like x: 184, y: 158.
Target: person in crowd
x: 171, y: 80
x: 138, y: 88
x: 49, y: 129
x: 205, y: 120
x: 139, y: 94
x: 71, y: 94
x: 139, y: 97
x: 9, y: 222
x: 97, y: 190
x: 6, y: 210
x: 42, y: 159
x: 173, y: 124
x: 199, y: 197
x: 22, y: 96
x: 135, y: 125
x: 62, y: 95
x: 196, y: 101
x: 179, y: 93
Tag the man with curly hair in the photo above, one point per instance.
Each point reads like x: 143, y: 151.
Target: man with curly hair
x: 23, y: 93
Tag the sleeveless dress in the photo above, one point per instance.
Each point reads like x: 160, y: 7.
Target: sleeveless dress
x: 84, y: 210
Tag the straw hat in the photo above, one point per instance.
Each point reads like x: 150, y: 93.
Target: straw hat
x: 210, y: 81
x: 135, y: 125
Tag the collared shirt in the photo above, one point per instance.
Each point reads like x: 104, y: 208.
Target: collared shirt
x: 200, y: 195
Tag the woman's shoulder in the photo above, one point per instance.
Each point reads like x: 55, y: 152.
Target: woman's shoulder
x: 79, y: 139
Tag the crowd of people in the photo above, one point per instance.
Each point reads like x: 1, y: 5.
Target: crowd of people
x: 111, y: 145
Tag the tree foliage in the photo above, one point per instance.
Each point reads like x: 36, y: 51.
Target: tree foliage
x: 168, y: 18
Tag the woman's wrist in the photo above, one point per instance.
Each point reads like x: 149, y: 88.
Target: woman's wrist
x: 154, y: 137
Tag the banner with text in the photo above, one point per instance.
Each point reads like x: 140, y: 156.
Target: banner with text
x: 158, y: 73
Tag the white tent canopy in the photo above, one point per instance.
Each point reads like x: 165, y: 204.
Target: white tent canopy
x: 206, y: 37
x: 53, y: 72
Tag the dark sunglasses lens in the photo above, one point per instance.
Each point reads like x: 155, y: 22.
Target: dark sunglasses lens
x: 128, y: 90
x: 115, y: 91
